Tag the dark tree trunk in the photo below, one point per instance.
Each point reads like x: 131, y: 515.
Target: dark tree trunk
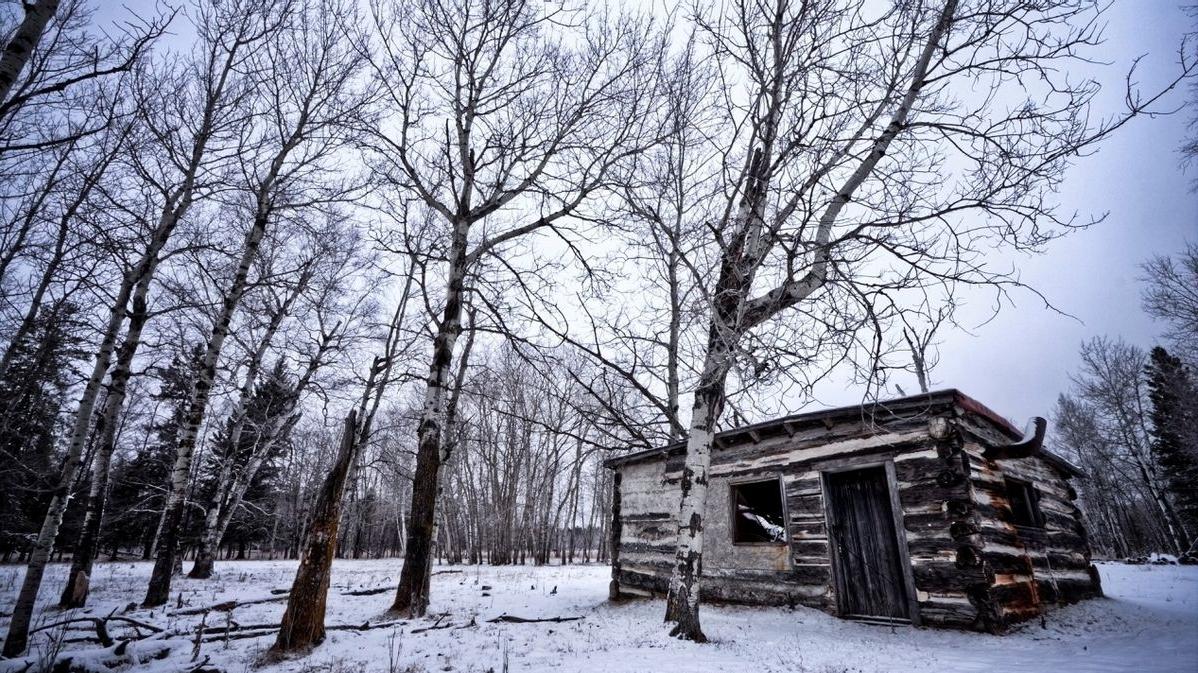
x: 303, y: 620
x: 412, y: 596
x: 158, y: 592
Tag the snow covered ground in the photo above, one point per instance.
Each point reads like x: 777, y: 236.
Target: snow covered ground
x: 1148, y: 622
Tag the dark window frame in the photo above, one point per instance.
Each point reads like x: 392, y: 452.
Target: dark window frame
x: 1023, y: 498
x: 734, y: 512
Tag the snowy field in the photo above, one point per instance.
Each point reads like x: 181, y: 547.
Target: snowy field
x: 1148, y: 622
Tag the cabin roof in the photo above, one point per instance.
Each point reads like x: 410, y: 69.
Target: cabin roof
x: 911, y: 406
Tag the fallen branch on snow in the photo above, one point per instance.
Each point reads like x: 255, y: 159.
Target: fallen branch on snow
x: 227, y: 606
x: 382, y: 590
x: 512, y: 619
x: 101, y: 626
x: 105, y: 659
x: 369, y: 592
x: 245, y: 631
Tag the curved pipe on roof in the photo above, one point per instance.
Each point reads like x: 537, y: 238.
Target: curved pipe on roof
x: 1028, y: 445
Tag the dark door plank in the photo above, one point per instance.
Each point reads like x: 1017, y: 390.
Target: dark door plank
x: 870, y: 577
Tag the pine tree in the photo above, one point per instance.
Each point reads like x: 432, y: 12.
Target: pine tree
x: 139, y: 483
x: 1174, y: 413
x: 271, y: 399
x: 38, y: 378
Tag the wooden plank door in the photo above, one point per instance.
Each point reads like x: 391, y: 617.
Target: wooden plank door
x: 867, y: 565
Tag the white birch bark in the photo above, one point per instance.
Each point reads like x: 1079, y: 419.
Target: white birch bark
x: 140, y: 276
x: 221, y: 514
x: 411, y: 596
x: 160, y: 581
x: 265, y: 205
x: 734, y: 315
x: 107, y: 426
x: 223, y: 496
x: 20, y: 46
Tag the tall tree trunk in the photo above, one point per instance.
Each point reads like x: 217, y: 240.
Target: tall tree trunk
x: 18, y: 629
x: 737, y: 267
x: 303, y: 620
x: 674, y: 339
x: 20, y: 48
x: 576, y: 486
x: 734, y: 314
x: 682, y: 605
x: 449, y: 441
x: 74, y: 594
x: 224, y: 495
x: 411, y: 597
x: 1172, y: 524
x: 159, y: 588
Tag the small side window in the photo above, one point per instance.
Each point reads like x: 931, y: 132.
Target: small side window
x: 1025, y: 504
x: 757, y: 513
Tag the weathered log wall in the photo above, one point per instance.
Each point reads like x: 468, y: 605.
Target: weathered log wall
x: 1029, y: 569
x: 797, y: 572
x: 1033, y: 567
x: 969, y: 566
x: 647, y: 530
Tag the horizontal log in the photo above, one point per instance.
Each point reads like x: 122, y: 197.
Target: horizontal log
x: 926, y: 522
x: 227, y: 606
x: 935, y: 545
x: 916, y: 470
x: 944, y: 577
x: 914, y: 495
x: 666, y: 550
x: 808, y: 530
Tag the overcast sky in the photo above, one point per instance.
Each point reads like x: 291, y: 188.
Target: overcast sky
x: 1018, y: 363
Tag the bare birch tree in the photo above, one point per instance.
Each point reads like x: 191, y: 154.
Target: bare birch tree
x: 637, y: 316
x: 1171, y: 295
x: 136, y: 278
x: 502, y: 130
x: 53, y: 66
x: 20, y: 46
x: 859, y: 160
x: 322, y: 290
x: 301, y: 97
x: 1112, y: 384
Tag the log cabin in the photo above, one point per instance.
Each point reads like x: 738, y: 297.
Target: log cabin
x: 929, y: 510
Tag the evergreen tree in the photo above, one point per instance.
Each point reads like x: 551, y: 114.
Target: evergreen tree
x: 37, y: 380
x: 1174, y: 416
x: 139, y: 483
x: 251, y: 521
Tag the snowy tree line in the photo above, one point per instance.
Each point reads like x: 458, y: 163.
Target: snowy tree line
x: 1131, y: 422
x: 336, y: 278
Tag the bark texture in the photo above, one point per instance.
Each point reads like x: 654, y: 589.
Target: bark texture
x: 75, y: 592
x: 230, y: 489
x: 303, y: 620
x: 160, y: 580
x: 20, y: 48
x: 18, y: 630
x: 412, y: 595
